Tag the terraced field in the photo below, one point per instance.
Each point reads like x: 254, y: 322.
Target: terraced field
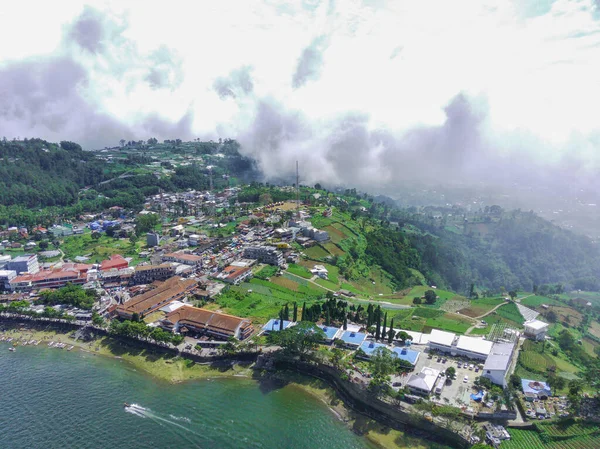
x: 480, y: 307
x: 568, y: 435
x: 511, y: 313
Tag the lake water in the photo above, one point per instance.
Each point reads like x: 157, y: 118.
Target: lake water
x: 51, y: 398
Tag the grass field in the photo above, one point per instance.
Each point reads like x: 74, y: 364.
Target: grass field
x: 335, y: 235
x: 299, y: 271
x: 536, y: 301
x: 480, y: 307
x: 594, y: 329
x: 327, y: 284
x: 448, y: 322
x: 567, y: 315
x: 511, y: 313
x: 333, y: 249
x: 102, y: 248
x: 285, y: 283
x: 589, y: 345
x: 316, y: 252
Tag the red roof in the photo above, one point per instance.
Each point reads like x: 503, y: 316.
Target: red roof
x: 116, y: 261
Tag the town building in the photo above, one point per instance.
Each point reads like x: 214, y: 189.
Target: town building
x: 264, y: 254
x: 152, y: 239
x: 536, y: 329
x: 441, y: 340
x: 423, y: 382
x: 145, y: 274
x: 4, y: 261
x: 5, y: 277
x: 205, y: 322
x: 497, y: 364
x: 115, y: 262
x: 473, y: 348
x: 184, y: 258
x: 235, y: 275
x: 173, y: 289
x: 70, y: 273
x: 535, y: 389
x: 27, y: 263
x: 320, y: 270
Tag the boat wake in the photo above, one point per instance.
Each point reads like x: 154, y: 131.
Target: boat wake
x: 144, y: 412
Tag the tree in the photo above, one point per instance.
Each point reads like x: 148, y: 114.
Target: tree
x: 430, y: 297
x: 298, y: 339
x: 383, y: 362
x: 450, y: 372
x: 378, y: 328
x: 416, y: 300
x: 304, y: 318
x: 370, y: 315
x: 515, y: 381
x: 97, y: 319
x: 43, y: 245
x: 135, y: 317
x: 556, y: 382
x: 403, y: 336
x: 383, y: 332
x: 575, y: 387
x: 122, y: 142
x: 295, y: 313
x: 512, y: 294
x: 133, y: 239
x: 96, y: 235
x: 551, y: 316
x: 145, y: 223
x: 345, y: 323
x: 391, y: 332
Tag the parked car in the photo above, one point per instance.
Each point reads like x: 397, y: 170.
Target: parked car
x: 471, y: 366
x: 459, y: 365
x: 466, y: 379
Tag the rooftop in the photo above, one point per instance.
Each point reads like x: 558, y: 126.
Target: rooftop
x: 273, y: 325
x: 355, y: 338
x: 475, y: 345
x: 441, y: 337
x: 171, y: 288
x: 499, y: 357
x: 535, y: 387
x: 330, y: 331
x: 406, y: 354
x: 535, y: 324
x: 205, y: 319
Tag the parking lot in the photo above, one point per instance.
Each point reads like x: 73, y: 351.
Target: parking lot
x: 456, y: 392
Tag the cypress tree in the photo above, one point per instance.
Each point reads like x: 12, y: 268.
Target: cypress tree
x: 295, y: 312
x: 391, y: 332
x: 345, y: 323
x: 378, y: 328
x: 383, y: 333
x: 281, y: 320
x: 327, y: 317
x: 370, y: 315
x: 304, y: 311
x: 286, y: 312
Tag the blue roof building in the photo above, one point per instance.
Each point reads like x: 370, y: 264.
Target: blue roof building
x: 409, y: 355
x: 353, y: 339
x: 274, y: 326
x: 369, y: 347
x: 330, y: 332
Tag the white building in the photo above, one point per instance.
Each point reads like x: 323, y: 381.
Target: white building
x: 27, y: 263
x: 5, y: 277
x: 498, y: 363
x: 441, y: 340
x: 473, y: 348
x: 423, y: 382
x: 320, y: 270
x: 535, y: 329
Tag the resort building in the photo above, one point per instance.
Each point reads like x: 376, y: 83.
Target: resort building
x: 330, y: 332
x: 423, y: 382
x: 408, y: 355
x: 201, y: 321
x: 441, y: 340
x: 497, y: 364
x: 275, y: 325
x: 352, y: 339
x: 535, y: 329
x: 27, y: 263
x: 172, y: 289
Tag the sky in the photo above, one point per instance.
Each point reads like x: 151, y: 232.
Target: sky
x: 361, y: 92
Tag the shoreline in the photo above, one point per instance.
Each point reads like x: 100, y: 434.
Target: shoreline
x: 164, y: 367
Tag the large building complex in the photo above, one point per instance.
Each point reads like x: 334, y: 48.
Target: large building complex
x: 145, y: 274
x: 264, y: 254
x: 172, y: 289
x: 27, y: 263
x: 497, y: 365
x: 201, y: 321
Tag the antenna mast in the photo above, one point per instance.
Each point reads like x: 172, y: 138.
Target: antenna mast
x: 297, y: 192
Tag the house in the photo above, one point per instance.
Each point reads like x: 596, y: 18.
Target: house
x: 201, y: 321
x: 535, y: 329
x: 235, y: 275
x: 152, y: 239
x: 27, y: 263
x: 5, y: 277
x: 497, y: 364
x: 173, y: 289
x: 352, y: 339
x: 535, y: 389
x: 184, y: 258
x: 320, y: 270
x: 115, y: 262
x: 275, y: 325
x: 408, y: 355
x: 423, y: 382
x: 330, y: 332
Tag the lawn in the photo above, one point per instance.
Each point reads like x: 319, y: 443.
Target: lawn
x: 299, y: 271
x: 480, y: 307
x: 511, y: 313
x: 378, y: 282
x: 333, y: 249
x: 536, y: 301
x: 285, y: 283
x: 589, y: 345
x: 448, y: 322
x: 316, y: 252
x: 101, y: 248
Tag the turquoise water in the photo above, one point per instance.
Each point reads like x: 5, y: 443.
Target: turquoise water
x: 51, y: 398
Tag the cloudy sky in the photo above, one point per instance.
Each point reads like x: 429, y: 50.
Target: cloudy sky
x: 356, y: 90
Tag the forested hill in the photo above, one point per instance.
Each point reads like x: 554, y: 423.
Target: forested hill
x: 36, y: 173
x: 501, y: 249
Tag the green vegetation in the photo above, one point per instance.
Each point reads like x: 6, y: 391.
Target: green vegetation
x: 511, y: 313
x: 299, y: 270
x: 139, y: 329
x: 72, y: 295
x: 266, y: 272
x: 569, y: 434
